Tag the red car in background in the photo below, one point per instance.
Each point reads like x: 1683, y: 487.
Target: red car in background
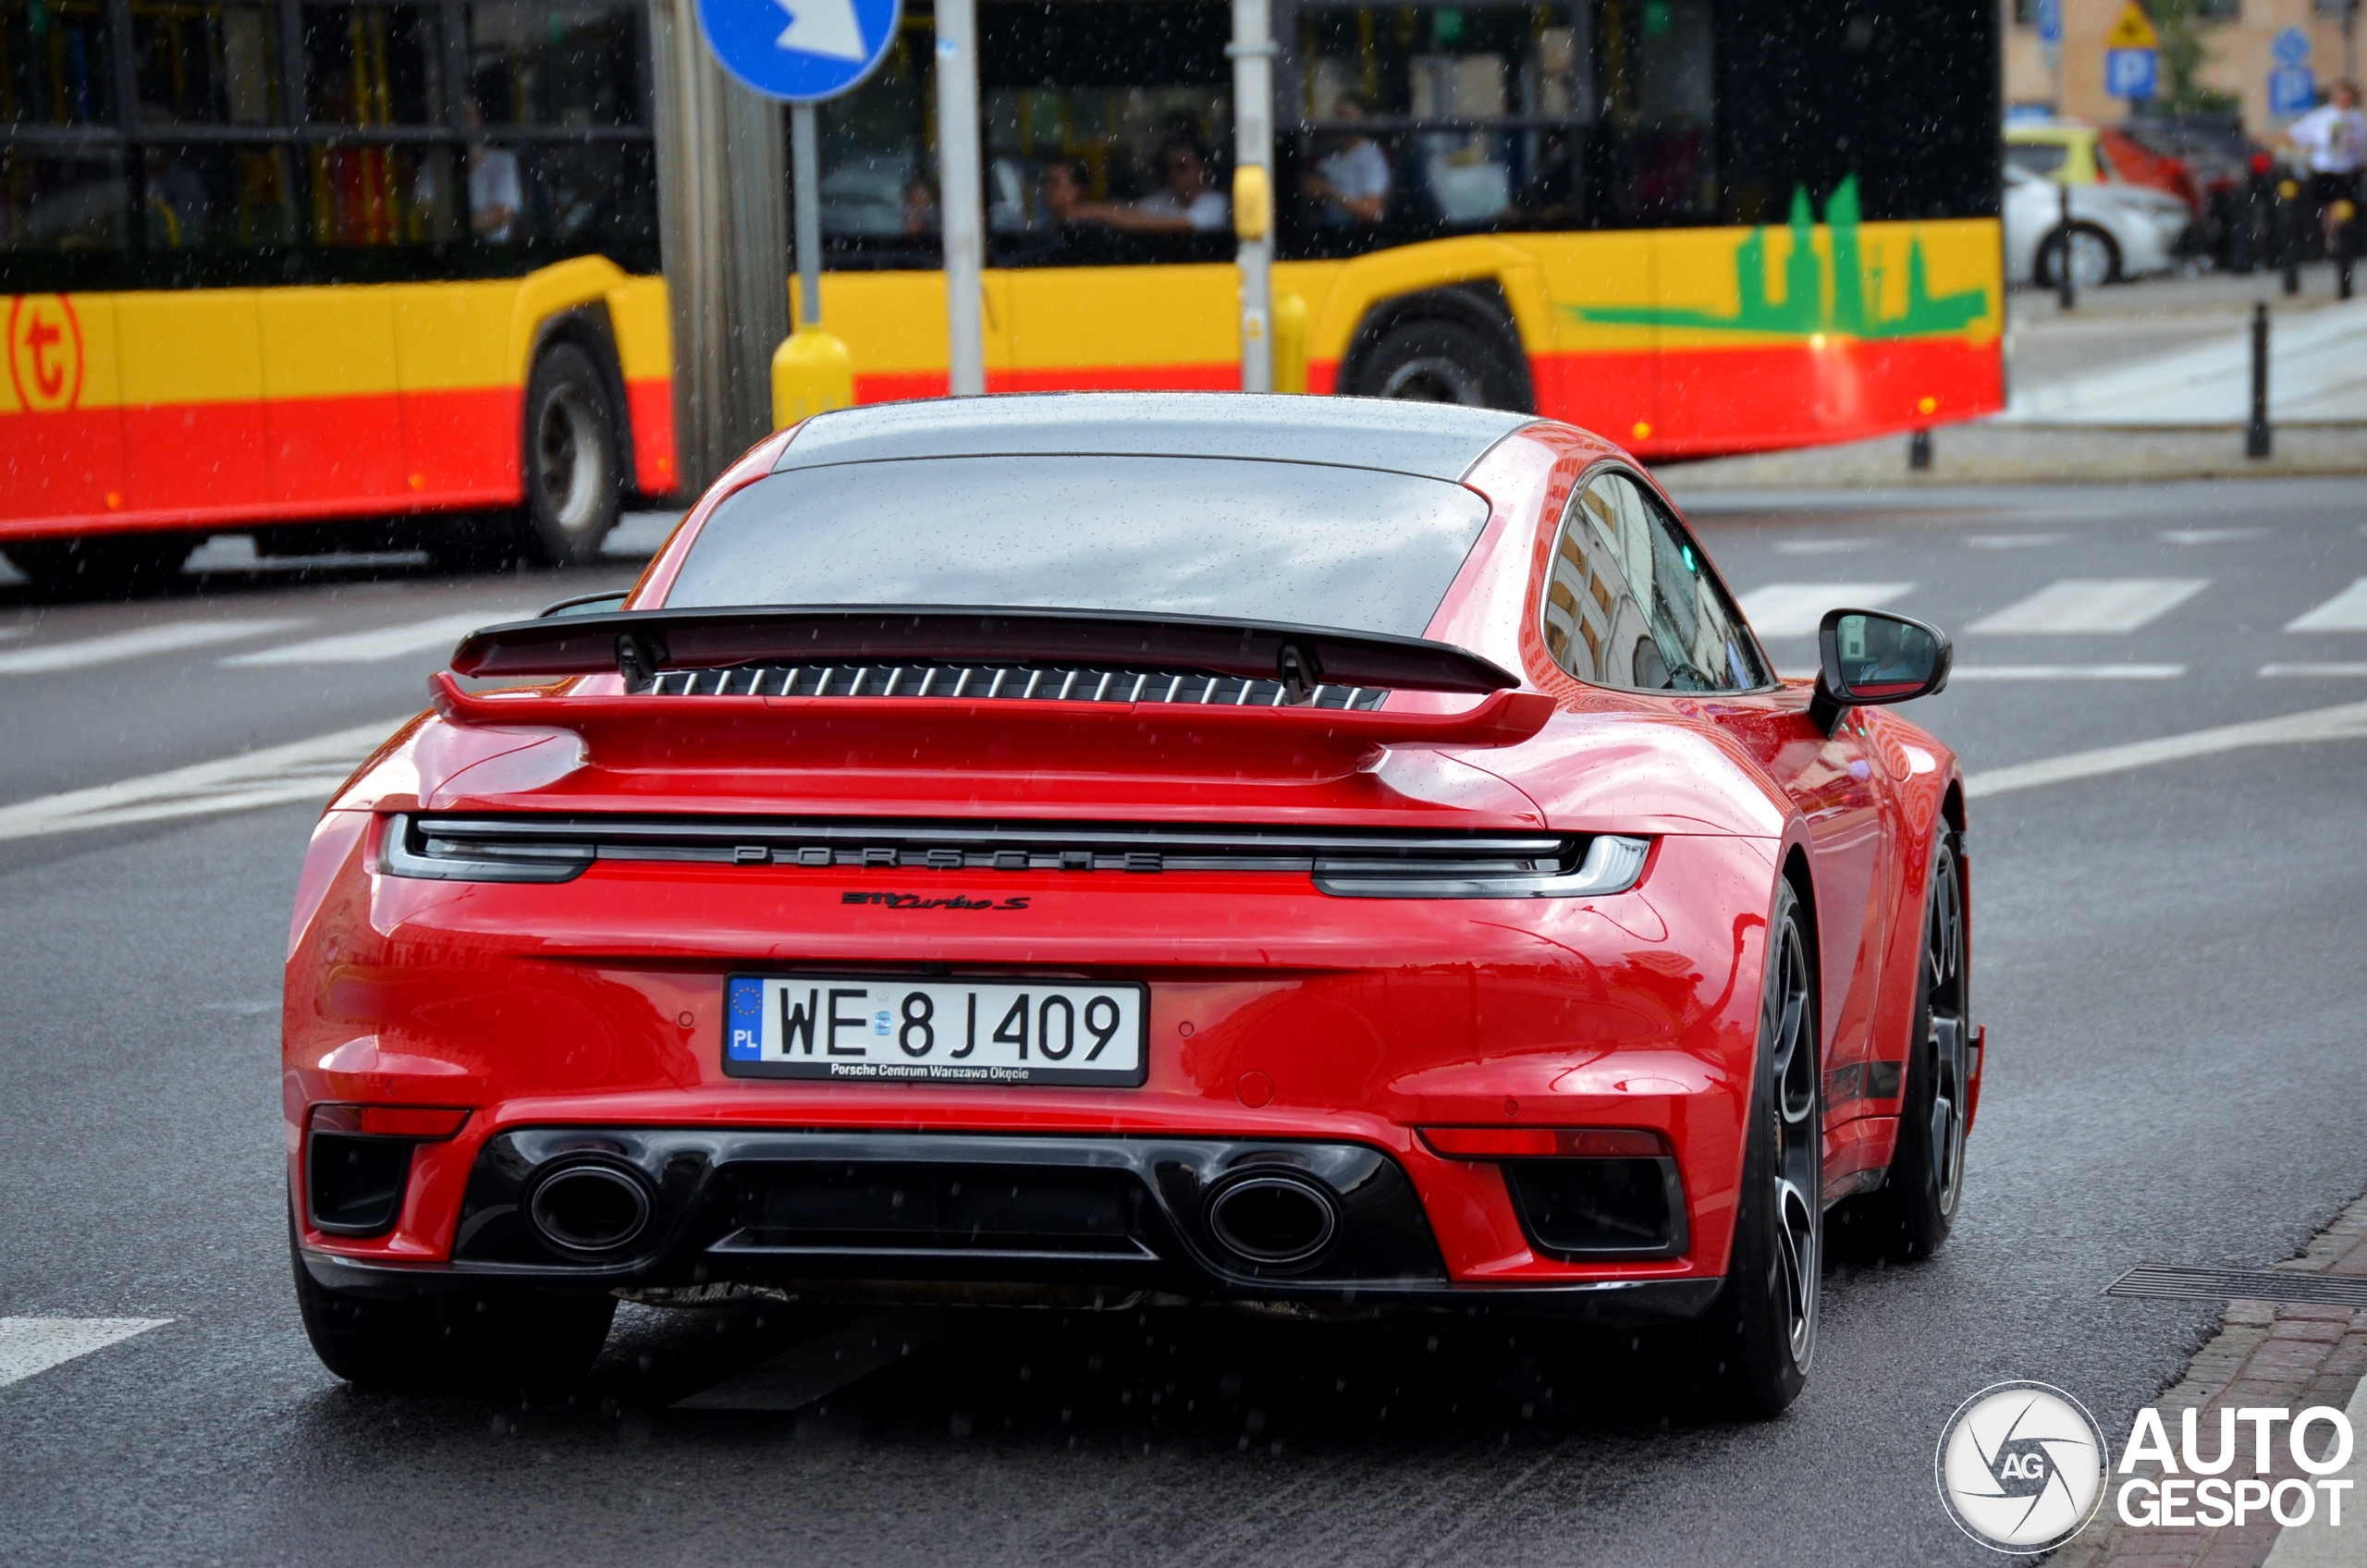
x: 1092, y: 849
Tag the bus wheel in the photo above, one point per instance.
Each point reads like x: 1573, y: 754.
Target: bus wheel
x: 1431, y: 361
x: 571, y: 458
x: 102, y: 566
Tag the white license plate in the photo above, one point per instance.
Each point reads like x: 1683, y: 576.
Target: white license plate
x: 869, y: 1029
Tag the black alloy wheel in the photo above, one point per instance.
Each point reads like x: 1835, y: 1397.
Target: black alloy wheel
x: 494, y: 1339
x: 102, y: 566
x: 572, y: 461
x: 1911, y: 1213
x: 1758, y: 1340
x: 1435, y: 361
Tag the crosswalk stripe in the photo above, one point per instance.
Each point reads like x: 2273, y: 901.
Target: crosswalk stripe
x: 1793, y: 609
x: 2347, y: 722
x: 171, y: 637
x: 2346, y: 611
x: 2094, y: 605
x: 29, y: 1345
x: 2067, y: 672
x: 302, y: 770
x: 369, y: 647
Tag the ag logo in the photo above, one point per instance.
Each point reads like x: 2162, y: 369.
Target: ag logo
x: 2022, y: 1467
x: 44, y: 352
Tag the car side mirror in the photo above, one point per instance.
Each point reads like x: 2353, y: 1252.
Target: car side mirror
x: 585, y: 604
x: 1866, y: 657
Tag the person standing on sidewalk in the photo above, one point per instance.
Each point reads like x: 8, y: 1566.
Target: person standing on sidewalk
x: 2333, y: 137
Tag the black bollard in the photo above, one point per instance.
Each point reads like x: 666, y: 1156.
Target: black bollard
x: 2064, y: 297
x: 2256, y: 438
x: 1918, y: 450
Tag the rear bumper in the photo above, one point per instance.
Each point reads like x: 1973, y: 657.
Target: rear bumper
x: 1114, y: 1215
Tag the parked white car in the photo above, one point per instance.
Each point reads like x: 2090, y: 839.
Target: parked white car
x: 2118, y: 231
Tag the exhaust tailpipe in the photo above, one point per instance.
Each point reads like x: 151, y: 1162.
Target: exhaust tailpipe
x: 589, y: 1210
x: 1272, y: 1218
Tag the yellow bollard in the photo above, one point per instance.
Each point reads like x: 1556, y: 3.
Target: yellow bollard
x: 1290, y: 343
x: 812, y: 375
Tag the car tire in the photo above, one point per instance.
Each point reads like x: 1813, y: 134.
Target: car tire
x: 490, y: 1339
x: 1909, y: 1216
x: 1752, y: 1349
x: 2095, y: 259
x: 104, y: 565
x: 1431, y: 359
x: 572, y: 458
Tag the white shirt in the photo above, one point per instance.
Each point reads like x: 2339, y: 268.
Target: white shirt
x: 1358, y: 172
x: 1209, y: 208
x: 494, y: 183
x: 2335, y: 139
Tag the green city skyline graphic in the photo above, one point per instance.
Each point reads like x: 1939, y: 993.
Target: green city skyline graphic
x: 1849, y: 307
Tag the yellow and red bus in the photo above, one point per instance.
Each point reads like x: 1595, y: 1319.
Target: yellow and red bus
x: 298, y: 268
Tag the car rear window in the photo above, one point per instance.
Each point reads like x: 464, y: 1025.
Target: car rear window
x: 1304, y: 542
x: 2037, y: 157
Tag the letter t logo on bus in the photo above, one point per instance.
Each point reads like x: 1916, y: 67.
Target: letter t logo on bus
x: 44, y: 352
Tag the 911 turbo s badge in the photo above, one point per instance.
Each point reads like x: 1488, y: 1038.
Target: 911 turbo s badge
x: 914, y: 900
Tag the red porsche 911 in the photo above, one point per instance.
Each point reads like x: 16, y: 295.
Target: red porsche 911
x: 1099, y: 848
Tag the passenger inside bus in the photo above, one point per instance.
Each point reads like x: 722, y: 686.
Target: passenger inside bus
x: 1351, y: 179
x: 1184, y: 203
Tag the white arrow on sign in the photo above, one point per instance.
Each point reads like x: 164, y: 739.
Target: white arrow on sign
x: 822, y: 27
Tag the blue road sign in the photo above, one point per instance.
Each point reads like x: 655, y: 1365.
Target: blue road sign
x: 2293, y: 90
x: 2131, y: 73
x: 2050, y: 21
x: 800, y: 50
x: 2292, y: 47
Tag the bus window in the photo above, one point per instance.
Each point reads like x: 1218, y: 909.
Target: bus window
x: 58, y: 203
x: 1416, y: 121
x: 56, y: 67
x: 207, y: 64
x: 540, y: 64
x: 1107, y: 134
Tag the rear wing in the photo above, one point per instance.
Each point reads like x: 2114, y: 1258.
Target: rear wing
x: 641, y: 645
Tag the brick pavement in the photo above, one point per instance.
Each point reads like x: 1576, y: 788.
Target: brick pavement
x: 2265, y: 1354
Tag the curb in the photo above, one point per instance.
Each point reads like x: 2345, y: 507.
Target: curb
x: 2263, y: 1355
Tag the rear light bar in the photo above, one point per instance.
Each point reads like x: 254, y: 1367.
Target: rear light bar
x: 1343, y: 862
x: 423, y: 1124
x: 1544, y: 1143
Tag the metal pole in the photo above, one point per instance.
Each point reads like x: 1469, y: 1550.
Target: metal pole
x: 959, y: 195
x: 2256, y: 436
x: 806, y: 179
x: 2064, y: 296
x: 1253, y: 123
x: 1918, y: 450
x: 723, y: 234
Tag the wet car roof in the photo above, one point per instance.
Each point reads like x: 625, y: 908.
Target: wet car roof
x: 1434, y: 440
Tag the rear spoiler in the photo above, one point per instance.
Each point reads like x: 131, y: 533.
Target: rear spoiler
x: 1500, y: 718
x: 641, y: 643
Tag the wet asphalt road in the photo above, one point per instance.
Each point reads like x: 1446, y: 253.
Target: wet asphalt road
x: 2166, y: 959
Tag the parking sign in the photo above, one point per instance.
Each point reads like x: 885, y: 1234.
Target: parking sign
x: 2293, y: 90
x: 802, y: 51
x: 2131, y: 73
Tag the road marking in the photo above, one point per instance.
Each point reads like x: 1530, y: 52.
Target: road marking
x: 29, y: 1345
x: 2067, y: 672
x: 302, y: 770
x: 2346, y: 611
x: 2093, y: 604
x: 2347, y: 722
x: 2306, y: 671
x: 171, y: 637
x: 1822, y: 546
x: 369, y: 647
x: 2209, y: 535
x: 2013, y: 541
x: 820, y: 1367
x: 1793, y: 609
